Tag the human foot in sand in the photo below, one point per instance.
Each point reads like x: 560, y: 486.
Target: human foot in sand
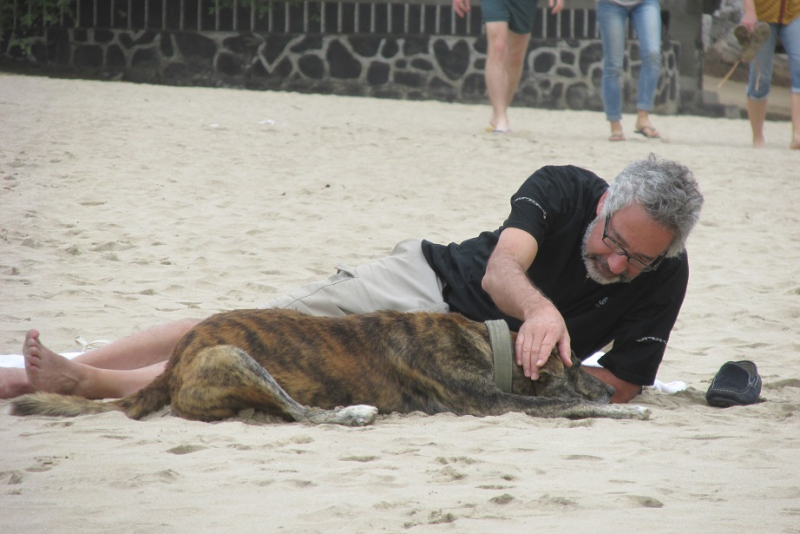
x: 498, y: 126
x: 50, y: 372
x: 644, y: 127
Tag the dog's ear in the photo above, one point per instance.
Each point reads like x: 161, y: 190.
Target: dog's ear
x: 554, y: 366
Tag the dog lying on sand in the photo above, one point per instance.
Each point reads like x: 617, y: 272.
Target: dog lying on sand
x: 344, y: 370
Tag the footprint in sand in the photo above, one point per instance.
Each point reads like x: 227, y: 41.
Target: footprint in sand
x: 186, y: 449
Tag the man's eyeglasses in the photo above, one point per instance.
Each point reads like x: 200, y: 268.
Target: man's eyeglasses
x: 635, y: 262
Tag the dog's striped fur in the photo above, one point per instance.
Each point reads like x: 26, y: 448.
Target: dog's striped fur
x: 282, y: 362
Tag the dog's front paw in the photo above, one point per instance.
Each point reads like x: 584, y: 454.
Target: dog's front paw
x: 358, y: 415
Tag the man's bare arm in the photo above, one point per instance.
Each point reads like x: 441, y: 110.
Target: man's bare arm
x: 507, y: 282
x: 625, y: 391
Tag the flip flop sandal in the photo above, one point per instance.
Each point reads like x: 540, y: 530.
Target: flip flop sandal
x: 751, y: 41
x: 648, y: 132
x: 736, y: 383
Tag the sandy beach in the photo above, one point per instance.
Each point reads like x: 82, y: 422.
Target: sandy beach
x: 126, y: 206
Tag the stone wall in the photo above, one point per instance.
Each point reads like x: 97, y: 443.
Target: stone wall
x: 391, y: 51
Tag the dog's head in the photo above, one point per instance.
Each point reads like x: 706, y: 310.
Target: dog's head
x: 556, y: 380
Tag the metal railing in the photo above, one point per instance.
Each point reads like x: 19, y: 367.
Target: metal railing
x: 434, y: 17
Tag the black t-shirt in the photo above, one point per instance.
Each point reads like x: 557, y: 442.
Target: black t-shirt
x: 556, y: 205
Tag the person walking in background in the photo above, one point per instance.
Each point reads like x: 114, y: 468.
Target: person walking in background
x: 783, y: 17
x: 645, y: 15
x: 508, y: 30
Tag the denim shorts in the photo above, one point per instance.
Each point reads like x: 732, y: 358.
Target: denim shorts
x: 519, y: 14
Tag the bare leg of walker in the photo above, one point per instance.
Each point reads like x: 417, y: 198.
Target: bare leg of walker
x: 795, y: 122
x: 504, y: 65
x: 757, y: 112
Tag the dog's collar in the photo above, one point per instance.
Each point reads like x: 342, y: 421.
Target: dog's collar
x: 503, y: 352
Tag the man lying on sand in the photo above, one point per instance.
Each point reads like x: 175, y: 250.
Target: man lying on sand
x: 577, y: 264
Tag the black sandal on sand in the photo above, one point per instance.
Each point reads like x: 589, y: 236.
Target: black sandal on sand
x: 649, y: 132
x: 736, y: 383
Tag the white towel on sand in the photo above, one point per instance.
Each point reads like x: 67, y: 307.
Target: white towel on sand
x: 658, y: 385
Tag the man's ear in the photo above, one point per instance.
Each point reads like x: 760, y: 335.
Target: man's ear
x: 601, y: 202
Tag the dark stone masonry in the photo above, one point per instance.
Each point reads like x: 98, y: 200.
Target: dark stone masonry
x: 373, y: 49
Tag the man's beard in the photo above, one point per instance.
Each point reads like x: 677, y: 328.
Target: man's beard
x: 591, y: 262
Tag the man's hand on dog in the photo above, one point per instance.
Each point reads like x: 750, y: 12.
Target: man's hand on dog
x: 538, y: 336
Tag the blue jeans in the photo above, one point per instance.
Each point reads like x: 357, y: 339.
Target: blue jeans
x: 790, y: 37
x: 646, y: 20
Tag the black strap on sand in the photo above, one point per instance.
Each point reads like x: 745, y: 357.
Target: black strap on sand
x: 500, y: 340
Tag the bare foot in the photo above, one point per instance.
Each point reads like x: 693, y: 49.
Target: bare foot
x: 795, y: 144
x: 759, y: 142
x: 498, y: 125
x: 13, y: 383
x: 51, y: 372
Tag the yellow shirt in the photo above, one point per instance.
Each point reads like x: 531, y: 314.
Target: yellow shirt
x: 780, y: 11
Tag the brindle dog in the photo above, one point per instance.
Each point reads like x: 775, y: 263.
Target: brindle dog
x: 302, y: 368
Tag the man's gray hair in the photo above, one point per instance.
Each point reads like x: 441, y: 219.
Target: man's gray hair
x: 666, y: 190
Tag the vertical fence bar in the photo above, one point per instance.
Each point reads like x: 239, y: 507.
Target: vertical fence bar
x: 235, y: 15
x: 544, y: 22
x: 558, y: 26
x: 586, y: 23
x: 269, y: 18
x: 252, y: 17
x: 216, y: 16
x: 322, y: 17
x: 339, y: 17
x: 305, y: 17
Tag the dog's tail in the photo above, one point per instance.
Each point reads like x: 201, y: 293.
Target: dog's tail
x: 58, y: 405
x: 145, y: 401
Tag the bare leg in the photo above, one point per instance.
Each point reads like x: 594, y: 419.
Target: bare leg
x: 795, y: 122
x: 52, y: 373
x: 115, y: 370
x: 617, y: 133
x: 503, y: 70
x: 757, y: 112
x: 139, y: 350
x: 515, y: 56
x: 13, y: 383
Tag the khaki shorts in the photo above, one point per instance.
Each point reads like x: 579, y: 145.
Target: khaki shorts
x: 402, y: 281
